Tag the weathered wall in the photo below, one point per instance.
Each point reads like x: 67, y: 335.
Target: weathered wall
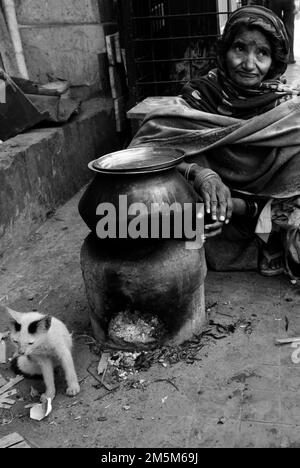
x: 62, y: 38
x: 41, y: 169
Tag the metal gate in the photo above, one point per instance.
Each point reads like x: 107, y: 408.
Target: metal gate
x: 168, y: 42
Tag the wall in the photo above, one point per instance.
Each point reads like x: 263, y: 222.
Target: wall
x: 43, y: 168
x: 63, y: 38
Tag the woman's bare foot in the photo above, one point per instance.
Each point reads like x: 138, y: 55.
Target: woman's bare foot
x: 272, y: 256
x: 271, y: 264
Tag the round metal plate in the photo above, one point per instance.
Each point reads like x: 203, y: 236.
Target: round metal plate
x: 137, y: 160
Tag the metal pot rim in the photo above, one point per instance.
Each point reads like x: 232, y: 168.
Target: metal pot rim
x: 138, y: 160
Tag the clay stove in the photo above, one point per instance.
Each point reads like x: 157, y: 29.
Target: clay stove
x: 141, y: 292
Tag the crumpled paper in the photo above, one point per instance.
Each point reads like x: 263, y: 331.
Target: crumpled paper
x: 40, y: 411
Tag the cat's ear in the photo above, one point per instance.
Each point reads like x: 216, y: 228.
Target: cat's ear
x: 13, y: 315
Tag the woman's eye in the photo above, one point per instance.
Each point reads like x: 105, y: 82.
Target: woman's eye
x: 239, y: 48
x: 264, y: 53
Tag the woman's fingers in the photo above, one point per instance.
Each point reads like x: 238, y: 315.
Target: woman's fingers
x: 229, y: 209
x: 224, y: 204
x: 216, y: 197
x: 228, y: 206
x: 213, y: 233
x: 206, y: 199
x: 213, y: 229
x: 222, y: 207
x: 214, y: 205
x: 210, y: 198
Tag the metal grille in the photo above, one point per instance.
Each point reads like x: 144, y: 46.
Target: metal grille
x: 168, y: 42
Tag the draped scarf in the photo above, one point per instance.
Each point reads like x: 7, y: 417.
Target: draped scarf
x: 216, y: 93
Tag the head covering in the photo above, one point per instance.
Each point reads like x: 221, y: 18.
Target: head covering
x: 269, y: 24
x: 217, y: 93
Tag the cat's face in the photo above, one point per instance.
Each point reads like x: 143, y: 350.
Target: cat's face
x: 28, y: 330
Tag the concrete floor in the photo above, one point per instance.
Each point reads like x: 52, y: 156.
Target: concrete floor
x: 243, y: 392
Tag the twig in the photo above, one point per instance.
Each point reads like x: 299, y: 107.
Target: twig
x: 286, y: 323
x: 225, y: 315
x: 169, y: 381
x: 281, y: 341
x: 42, y: 300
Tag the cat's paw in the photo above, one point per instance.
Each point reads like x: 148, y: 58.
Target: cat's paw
x: 46, y: 395
x: 73, y: 389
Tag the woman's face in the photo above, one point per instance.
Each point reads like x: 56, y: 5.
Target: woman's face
x: 249, y: 58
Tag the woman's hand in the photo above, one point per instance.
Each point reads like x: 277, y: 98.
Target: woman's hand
x: 216, y: 197
x: 214, y: 229
x: 214, y: 193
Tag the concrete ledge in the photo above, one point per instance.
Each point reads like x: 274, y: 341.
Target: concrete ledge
x: 41, y: 169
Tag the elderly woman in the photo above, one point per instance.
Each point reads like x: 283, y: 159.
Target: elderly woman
x: 240, y: 129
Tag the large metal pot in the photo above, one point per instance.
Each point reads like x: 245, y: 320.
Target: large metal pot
x: 139, y: 175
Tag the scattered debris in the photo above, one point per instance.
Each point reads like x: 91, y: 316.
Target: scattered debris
x: 286, y: 323
x: 40, y: 411
x: 107, y: 386
x: 34, y: 393
x: 103, y: 363
x: 3, y: 381
x: 296, y: 354
x: 221, y: 421
x: 5, y: 401
x: 227, y: 329
x: 170, y: 381
x: 13, y: 440
x: 45, y: 297
x: 210, y: 306
x: 11, y: 383
x: 247, y: 325
x: 288, y: 340
x: 3, y: 337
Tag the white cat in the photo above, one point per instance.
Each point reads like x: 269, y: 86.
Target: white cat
x: 42, y: 342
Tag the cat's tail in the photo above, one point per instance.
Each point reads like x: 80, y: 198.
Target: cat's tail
x: 25, y: 366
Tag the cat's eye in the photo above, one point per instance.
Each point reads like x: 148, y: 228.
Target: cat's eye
x: 17, y: 326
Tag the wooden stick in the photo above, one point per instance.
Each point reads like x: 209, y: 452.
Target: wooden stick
x: 11, y: 439
x: 11, y: 384
x: 7, y: 401
x: 286, y: 340
x: 8, y: 394
x: 2, y: 381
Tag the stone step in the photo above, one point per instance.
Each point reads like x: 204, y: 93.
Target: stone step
x: 43, y: 168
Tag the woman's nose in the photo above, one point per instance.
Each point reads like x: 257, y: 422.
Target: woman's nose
x: 249, y: 62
